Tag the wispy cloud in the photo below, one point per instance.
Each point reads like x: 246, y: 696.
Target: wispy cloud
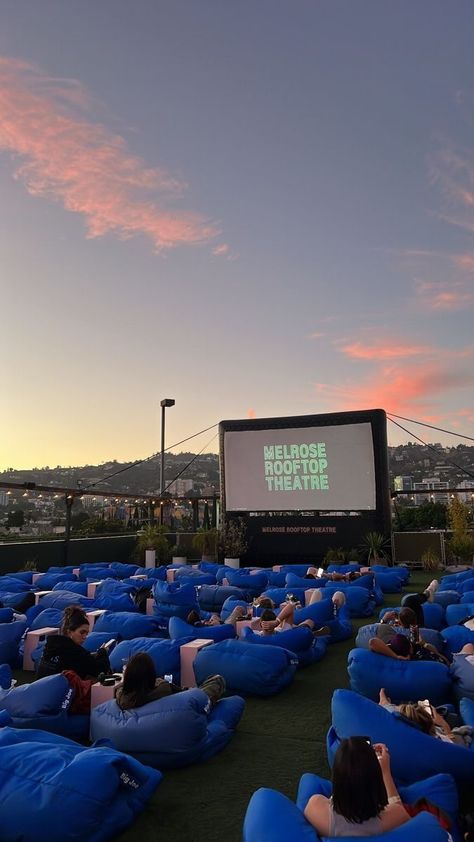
x: 66, y: 156
x: 383, y: 351
x: 438, y: 296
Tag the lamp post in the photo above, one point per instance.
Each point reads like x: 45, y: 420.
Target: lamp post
x: 164, y: 404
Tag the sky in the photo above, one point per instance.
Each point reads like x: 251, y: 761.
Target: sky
x: 256, y: 208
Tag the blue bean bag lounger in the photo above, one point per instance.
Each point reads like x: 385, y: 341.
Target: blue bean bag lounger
x: 467, y: 585
x: 389, y: 582
x: 212, y: 597
x: 279, y: 595
x: 359, y: 601
x: 47, y: 581
x: 323, y: 614
x: 96, y: 572
x: 125, y: 625
x: 187, y: 576
x: 438, y: 789
x: 272, y: 817
x: 165, y: 655
x: 179, y: 629
x: 459, y: 613
x: 252, y: 583
x: 402, y: 572
x: 413, y: 754
x: 248, y: 669
x: 45, y: 704
x: 73, y: 587
x: 307, y: 648
x: 430, y: 636
x: 54, y: 790
x: 61, y: 599
x: 462, y: 672
x: 170, y: 732
x: 174, y: 600
x: 434, y: 615
x: 455, y: 637
x: 446, y: 598
x: 26, y: 576
x: 10, y: 637
x: 403, y: 680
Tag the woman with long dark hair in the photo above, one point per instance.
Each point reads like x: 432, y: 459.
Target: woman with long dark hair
x: 140, y: 685
x: 364, y: 799
x: 65, y: 651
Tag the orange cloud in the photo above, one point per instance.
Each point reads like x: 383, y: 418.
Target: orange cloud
x: 384, y: 351
x: 251, y: 413
x: 80, y: 163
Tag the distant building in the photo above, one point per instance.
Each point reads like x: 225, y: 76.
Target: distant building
x: 3, y: 498
x: 180, y: 487
x: 435, y: 491
x: 403, y: 483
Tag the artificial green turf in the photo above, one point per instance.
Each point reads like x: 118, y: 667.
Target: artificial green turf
x: 278, y: 739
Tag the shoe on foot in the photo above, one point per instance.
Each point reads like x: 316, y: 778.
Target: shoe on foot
x: 431, y: 589
x: 324, y: 631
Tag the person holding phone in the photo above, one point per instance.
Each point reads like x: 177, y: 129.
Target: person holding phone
x: 65, y: 651
x: 429, y: 720
x: 365, y: 800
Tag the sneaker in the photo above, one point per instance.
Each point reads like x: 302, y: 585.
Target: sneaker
x: 431, y: 589
x: 324, y: 631
x: 215, y: 688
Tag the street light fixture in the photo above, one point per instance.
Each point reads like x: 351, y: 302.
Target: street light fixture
x: 166, y: 402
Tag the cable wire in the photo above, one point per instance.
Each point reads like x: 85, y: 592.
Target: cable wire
x: 434, y: 449
x: 431, y: 426
x: 191, y: 462
x: 148, y: 458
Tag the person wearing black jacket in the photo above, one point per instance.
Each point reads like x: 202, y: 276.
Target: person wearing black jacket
x: 66, y: 652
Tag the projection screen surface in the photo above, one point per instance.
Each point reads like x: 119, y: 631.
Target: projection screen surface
x: 327, y: 468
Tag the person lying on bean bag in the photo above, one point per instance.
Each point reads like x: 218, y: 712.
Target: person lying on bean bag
x: 428, y: 719
x: 140, y: 685
x: 407, y: 649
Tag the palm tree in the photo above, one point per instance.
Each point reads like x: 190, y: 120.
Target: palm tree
x: 374, y: 546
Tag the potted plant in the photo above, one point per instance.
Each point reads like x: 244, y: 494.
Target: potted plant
x: 374, y: 547
x: 233, y: 541
x: 152, y: 540
x: 205, y: 542
x: 176, y: 558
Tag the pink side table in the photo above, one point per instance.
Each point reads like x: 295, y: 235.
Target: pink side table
x: 33, y: 638
x: 170, y: 575
x: 76, y: 571
x: 276, y: 568
x: 39, y: 594
x: 92, y: 616
x: 150, y: 604
x: 101, y: 693
x: 91, y: 588
x: 188, y: 652
x: 242, y: 624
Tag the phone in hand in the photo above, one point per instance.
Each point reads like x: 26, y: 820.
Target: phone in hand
x: 109, y: 644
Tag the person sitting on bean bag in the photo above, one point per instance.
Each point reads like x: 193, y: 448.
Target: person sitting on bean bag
x: 408, y: 649
x: 140, y: 685
x: 429, y: 720
x: 365, y: 800
x: 416, y: 601
x: 65, y: 651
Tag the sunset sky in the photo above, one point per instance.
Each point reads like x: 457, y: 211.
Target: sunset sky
x: 255, y: 207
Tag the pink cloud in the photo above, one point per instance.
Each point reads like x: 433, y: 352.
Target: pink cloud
x: 398, y: 388
x: 438, y: 296
x: 251, y: 413
x: 382, y: 351
x: 71, y: 159
x: 221, y: 251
